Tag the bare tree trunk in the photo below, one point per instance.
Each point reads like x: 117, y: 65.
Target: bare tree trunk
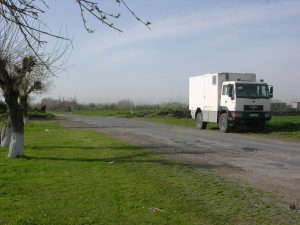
x: 6, y: 135
x: 24, y: 103
x: 16, y: 147
x: 15, y: 112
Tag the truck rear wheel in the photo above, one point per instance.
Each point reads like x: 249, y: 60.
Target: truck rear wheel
x: 200, y: 124
x: 224, y: 124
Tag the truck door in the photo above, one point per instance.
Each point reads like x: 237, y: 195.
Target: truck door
x: 227, y: 97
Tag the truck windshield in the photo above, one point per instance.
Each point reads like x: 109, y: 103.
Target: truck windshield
x: 252, y: 91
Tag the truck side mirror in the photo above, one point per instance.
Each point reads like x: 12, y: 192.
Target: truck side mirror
x: 271, y: 91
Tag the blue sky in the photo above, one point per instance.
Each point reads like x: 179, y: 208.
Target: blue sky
x: 187, y: 38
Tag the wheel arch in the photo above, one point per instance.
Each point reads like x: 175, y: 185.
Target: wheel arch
x: 200, y: 124
x: 222, y: 109
x: 197, y: 111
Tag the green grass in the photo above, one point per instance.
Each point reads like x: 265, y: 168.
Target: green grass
x: 125, y: 113
x: 83, y: 177
x: 285, y: 127
x: 41, y: 115
x: 280, y: 127
x: 120, y: 113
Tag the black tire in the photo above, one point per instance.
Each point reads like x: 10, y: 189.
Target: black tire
x: 200, y: 124
x: 224, y: 124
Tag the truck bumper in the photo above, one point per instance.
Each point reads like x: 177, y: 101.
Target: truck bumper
x: 246, y: 117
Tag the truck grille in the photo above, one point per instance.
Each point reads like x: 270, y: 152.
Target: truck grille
x: 253, y: 108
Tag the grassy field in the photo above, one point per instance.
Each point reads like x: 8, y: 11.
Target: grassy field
x: 41, y: 115
x: 83, y: 177
x: 284, y: 126
x: 280, y: 127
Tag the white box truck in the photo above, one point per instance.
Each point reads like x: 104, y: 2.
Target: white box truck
x: 229, y: 99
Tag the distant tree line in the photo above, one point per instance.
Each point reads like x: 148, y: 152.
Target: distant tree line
x: 286, y: 112
x: 63, y: 104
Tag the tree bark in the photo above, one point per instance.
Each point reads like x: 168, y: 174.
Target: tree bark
x: 6, y: 135
x: 11, y: 94
x: 24, y: 103
x: 16, y: 148
x: 15, y: 113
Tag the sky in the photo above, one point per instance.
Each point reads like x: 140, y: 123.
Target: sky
x: 187, y: 38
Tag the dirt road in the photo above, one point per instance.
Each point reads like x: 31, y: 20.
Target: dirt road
x: 268, y: 164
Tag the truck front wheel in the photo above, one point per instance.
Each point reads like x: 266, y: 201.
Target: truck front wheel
x: 224, y: 124
x: 200, y: 124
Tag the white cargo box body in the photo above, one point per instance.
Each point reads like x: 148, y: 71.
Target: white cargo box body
x: 205, y: 92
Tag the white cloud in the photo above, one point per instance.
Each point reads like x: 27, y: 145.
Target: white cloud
x: 195, y: 23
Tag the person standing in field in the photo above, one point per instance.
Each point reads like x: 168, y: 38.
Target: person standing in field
x: 70, y: 109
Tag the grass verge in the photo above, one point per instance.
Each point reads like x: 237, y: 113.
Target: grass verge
x: 280, y: 127
x: 41, y: 115
x: 83, y: 177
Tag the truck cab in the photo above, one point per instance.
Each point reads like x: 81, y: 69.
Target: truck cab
x: 245, y: 103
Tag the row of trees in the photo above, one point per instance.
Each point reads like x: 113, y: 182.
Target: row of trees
x: 63, y: 104
x: 26, y: 65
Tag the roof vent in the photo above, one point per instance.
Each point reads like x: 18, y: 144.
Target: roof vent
x: 261, y: 80
x: 238, y: 79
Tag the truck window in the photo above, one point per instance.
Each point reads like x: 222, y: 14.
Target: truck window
x: 252, y: 91
x: 214, y: 80
x: 227, y: 77
x: 264, y: 91
x: 224, y: 90
x: 230, y: 90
